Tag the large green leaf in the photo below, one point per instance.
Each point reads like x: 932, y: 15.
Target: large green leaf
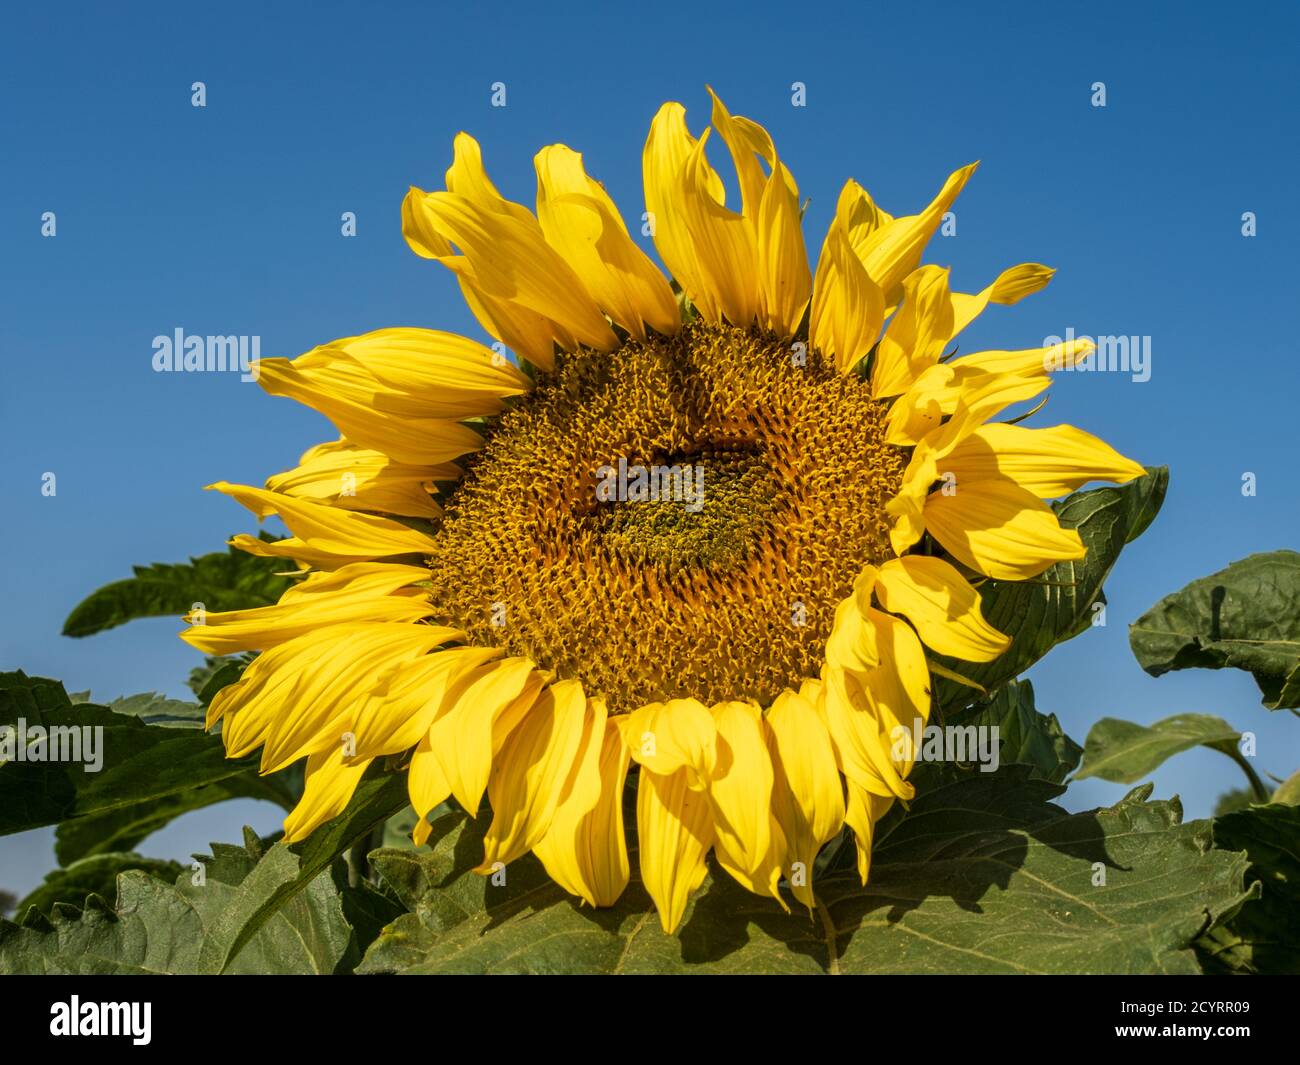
x: 154, y: 929
x: 1040, y: 613
x: 1262, y: 934
x: 306, y: 931
x: 1124, y: 751
x: 223, y: 580
x: 157, y: 927
x: 140, y: 762
x: 123, y: 827
x: 92, y: 876
x: 1246, y: 616
x: 985, y: 875
x: 287, y: 869
x: 155, y: 709
x: 157, y: 763
x: 1027, y: 736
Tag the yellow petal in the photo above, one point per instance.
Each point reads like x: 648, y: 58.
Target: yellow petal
x: 585, y: 850
x: 852, y: 642
x: 581, y: 222
x: 667, y: 147
x: 338, y: 386
x: 916, y: 335
x: 329, y: 785
x: 360, y: 578
x: 1047, y: 462
x: 894, y: 250
x: 519, y: 288
x: 466, y: 735
x: 862, y: 217
x: 1011, y: 286
x: 355, y: 478
x: 866, y: 710
x: 680, y: 733
x: 941, y: 605
x: 746, y: 141
x: 521, y: 330
x: 467, y: 177
x: 722, y: 243
x: 848, y: 307
x: 899, y: 694
x: 507, y: 258
x: 908, y: 513
x: 396, y: 716
x: 740, y: 789
x: 1027, y: 362
x: 345, y: 534
x: 770, y: 206
x: 864, y: 809
x: 294, y: 550
x: 530, y: 775
x: 784, y: 277
x: 999, y: 529
x: 425, y: 373
x: 674, y: 833
x: 807, y: 795
x: 428, y: 786
x: 359, y: 592
x: 861, y: 747
x: 299, y: 697
x: 971, y: 396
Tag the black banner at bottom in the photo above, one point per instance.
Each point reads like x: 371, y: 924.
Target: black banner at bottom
x: 1153, y: 1014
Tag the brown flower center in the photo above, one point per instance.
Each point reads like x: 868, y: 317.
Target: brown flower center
x: 677, y: 518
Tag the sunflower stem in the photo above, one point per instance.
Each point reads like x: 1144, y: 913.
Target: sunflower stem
x: 1262, y: 794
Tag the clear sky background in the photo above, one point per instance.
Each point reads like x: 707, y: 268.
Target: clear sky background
x: 226, y: 220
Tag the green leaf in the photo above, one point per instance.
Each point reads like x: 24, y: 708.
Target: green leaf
x: 158, y: 927
x: 154, y: 929
x: 225, y: 670
x: 1288, y: 792
x: 1057, y: 605
x: 1123, y: 751
x: 218, y: 670
x: 223, y: 580
x: 305, y: 932
x: 155, y: 709
x: 1246, y: 616
x: 126, y: 826
x: 985, y: 875
x: 1262, y: 933
x: 93, y: 876
x: 138, y: 762
x: 149, y: 773
x: 368, y: 910
x: 1027, y: 736
x: 288, y: 869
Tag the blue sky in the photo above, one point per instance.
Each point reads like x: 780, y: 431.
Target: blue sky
x: 226, y: 220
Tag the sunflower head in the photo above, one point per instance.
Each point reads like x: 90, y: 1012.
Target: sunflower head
x: 707, y: 529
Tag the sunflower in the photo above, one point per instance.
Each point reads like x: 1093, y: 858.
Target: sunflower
x: 472, y: 606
